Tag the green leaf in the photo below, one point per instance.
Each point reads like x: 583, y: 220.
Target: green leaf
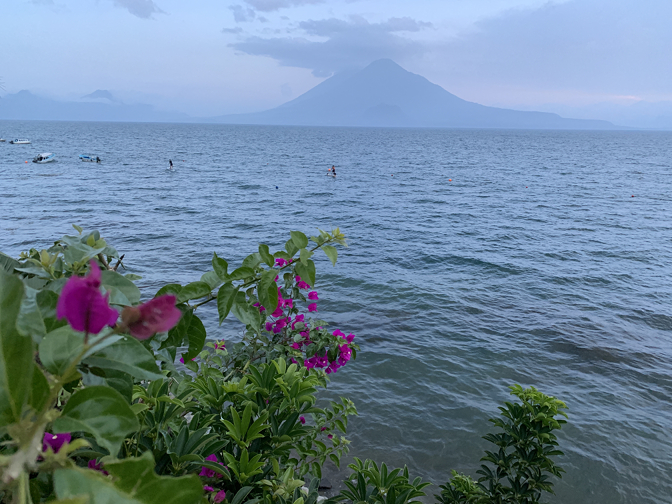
x: 39, y: 389
x: 212, y: 279
x: 8, y: 264
x: 132, y: 277
x: 241, y: 494
x: 78, y: 228
x: 173, y: 289
x: 291, y: 248
x: 101, y: 411
x: 122, y: 291
x: 194, y: 290
x: 241, y: 273
x: 47, y: 301
x: 331, y: 252
x: 304, y: 255
x: 133, y: 482
x: 59, y: 348
x: 16, y: 352
x: 247, y: 314
x: 221, y: 267
x: 196, y: 335
x: 300, y: 240
x: 266, y: 256
x: 127, y: 355
x: 268, y: 290
x: 225, y: 297
x: 80, y: 252
x: 29, y: 321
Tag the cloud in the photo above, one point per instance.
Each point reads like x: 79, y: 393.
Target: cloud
x: 605, y: 46
x: 274, y: 5
x: 235, y: 30
x: 242, y: 14
x: 141, y: 8
x: 351, y: 43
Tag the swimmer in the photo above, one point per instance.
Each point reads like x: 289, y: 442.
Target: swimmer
x: 170, y: 161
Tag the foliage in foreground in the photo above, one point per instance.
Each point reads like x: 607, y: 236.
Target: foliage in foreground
x: 95, y: 409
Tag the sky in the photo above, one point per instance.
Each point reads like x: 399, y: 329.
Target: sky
x: 212, y: 57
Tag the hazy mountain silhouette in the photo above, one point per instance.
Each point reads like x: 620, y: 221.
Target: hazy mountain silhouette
x: 25, y: 105
x: 384, y: 94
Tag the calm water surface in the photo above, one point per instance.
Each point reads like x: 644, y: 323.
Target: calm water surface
x: 535, y: 265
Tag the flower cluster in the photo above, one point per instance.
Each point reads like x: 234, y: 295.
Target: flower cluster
x: 211, y: 473
x: 87, y: 310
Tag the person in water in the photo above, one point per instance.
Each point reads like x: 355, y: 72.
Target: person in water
x: 97, y: 159
x: 171, y: 163
x: 333, y: 170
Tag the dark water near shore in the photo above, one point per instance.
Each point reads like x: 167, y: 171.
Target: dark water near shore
x: 534, y: 266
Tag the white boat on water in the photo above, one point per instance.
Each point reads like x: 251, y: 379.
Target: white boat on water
x: 46, y: 157
x: 2, y: 140
x: 19, y: 141
x: 90, y: 159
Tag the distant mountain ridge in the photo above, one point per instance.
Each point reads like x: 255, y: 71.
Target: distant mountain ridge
x: 384, y: 94
x: 98, y: 106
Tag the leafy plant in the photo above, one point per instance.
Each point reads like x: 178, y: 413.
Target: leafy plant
x: 521, y: 468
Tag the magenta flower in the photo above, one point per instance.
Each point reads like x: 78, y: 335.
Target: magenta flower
x: 208, y: 488
x: 210, y: 473
x: 346, y: 352
x: 278, y: 311
x: 55, y: 441
x: 303, y: 419
x: 312, y: 307
x: 296, y: 346
x: 281, y: 262
x: 269, y: 326
x: 221, y: 495
x: 82, y: 304
x: 219, y: 345
x: 350, y: 337
x: 303, y: 285
x: 182, y: 359
x: 156, y: 315
x: 312, y: 295
x: 330, y: 436
x: 299, y: 318
x: 338, y: 332
x: 288, y: 303
x: 97, y: 466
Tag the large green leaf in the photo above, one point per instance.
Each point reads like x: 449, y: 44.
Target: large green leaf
x: 78, y: 252
x: 101, y: 411
x: 29, y: 321
x: 173, y: 289
x: 129, y: 356
x: 196, y: 335
x: 59, y: 349
x: 266, y: 255
x: 221, y: 267
x: 133, y: 482
x: 268, y: 290
x: 120, y: 288
x: 241, y: 273
x: 136, y: 477
x: 47, y: 301
x: 300, y: 240
x: 212, y: 279
x: 332, y: 253
x: 246, y: 313
x: 8, y: 264
x: 194, y: 290
x: 16, y: 352
x: 39, y: 389
x: 225, y: 297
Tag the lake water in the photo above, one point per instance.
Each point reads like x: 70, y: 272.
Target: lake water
x: 535, y: 265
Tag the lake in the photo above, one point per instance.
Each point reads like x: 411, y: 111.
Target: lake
x: 545, y: 261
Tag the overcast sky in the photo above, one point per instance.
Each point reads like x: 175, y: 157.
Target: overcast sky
x: 209, y: 57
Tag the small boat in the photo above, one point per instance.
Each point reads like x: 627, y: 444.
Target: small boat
x: 46, y: 157
x: 2, y: 140
x: 90, y: 159
x: 19, y: 141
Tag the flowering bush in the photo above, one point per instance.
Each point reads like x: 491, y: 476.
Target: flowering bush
x: 94, y: 407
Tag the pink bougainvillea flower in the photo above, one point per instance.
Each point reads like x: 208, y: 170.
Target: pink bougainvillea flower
x: 338, y: 332
x: 296, y: 346
x: 350, y: 337
x: 330, y: 436
x: 312, y: 295
x: 303, y: 285
x: 97, y: 466
x: 288, y: 303
x: 269, y: 326
x: 55, y: 441
x: 221, y: 495
x: 278, y: 311
x: 303, y: 419
x: 219, y: 345
x: 210, y: 473
x: 157, y: 315
x: 312, y: 307
x: 208, y: 488
x: 182, y: 359
x: 323, y: 429
x: 346, y: 352
x: 281, y: 262
x: 82, y: 304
